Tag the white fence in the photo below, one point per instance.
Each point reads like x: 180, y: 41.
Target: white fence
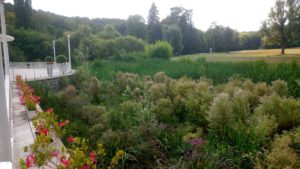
x: 39, y: 70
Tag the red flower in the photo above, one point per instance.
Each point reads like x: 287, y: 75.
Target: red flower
x: 50, y: 110
x: 84, y: 167
x: 30, y: 160
x: 45, y: 131
x: 65, y: 161
x: 54, y: 154
x: 71, y: 139
x: 61, y: 124
x: 93, y: 157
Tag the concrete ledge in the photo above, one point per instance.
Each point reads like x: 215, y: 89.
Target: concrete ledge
x: 6, y: 165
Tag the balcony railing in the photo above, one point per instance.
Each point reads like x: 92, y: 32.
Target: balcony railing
x: 39, y: 70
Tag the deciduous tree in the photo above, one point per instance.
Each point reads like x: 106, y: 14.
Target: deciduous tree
x: 282, y: 23
x: 136, y: 26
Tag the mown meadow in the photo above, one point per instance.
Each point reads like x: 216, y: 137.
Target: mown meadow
x: 184, y: 114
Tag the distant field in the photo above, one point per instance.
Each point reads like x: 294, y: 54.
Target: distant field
x: 269, y: 55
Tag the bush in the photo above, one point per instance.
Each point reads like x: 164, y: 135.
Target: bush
x: 283, y: 154
x: 286, y: 110
x: 160, y: 49
x: 49, y: 59
x: 61, y: 59
x: 280, y: 87
x: 221, y: 111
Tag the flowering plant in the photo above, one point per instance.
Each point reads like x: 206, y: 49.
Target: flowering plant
x: 45, y: 152
x: 27, y: 96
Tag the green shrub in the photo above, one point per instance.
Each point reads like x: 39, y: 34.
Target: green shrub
x: 282, y: 153
x: 264, y: 127
x: 49, y: 59
x: 61, y: 59
x: 286, y: 110
x: 160, y: 49
x: 280, y: 87
x: 220, y: 113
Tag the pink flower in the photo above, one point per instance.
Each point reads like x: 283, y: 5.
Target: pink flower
x: 61, y: 124
x: 93, y: 157
x: 54, y: 154
x: 50, y: 110
x: 65, y: 161
x: 30, y: 160
x: 197, y: 142
x: 85, y: 167
x: 71, y: 139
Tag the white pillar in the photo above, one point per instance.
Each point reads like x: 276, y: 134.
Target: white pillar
x: 5, y: 143
x: 69, y: 50
x: 5, y: 48
x: 54, y: 54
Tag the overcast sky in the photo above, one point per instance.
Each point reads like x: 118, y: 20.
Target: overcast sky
x: 243, y: 15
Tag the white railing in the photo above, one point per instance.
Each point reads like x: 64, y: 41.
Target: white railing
x: 39, y: 70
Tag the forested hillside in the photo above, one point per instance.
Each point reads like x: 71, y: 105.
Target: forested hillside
x: 35, y: 33
x: 115, y: 38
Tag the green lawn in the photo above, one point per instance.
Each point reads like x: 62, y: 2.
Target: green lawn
x: 268, y: 55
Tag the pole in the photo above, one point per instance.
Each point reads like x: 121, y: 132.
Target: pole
x: 69, y: 50
x: 5, y: 142
x: 54, y: 54
x: 4, y: 40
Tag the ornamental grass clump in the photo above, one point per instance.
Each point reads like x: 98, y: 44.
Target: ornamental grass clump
x: 284, y: 152
x: 280, y: 87
x: 220, y: 112
x: 286, y: 110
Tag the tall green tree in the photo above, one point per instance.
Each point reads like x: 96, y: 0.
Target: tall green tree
x: 172, y: 34
x: 294, y: 21
x: 136, y: 26
x: 23, y: 10
x: 27, y: 13
x: 183, y: 18
x: 154, y: 25
x: 282, y: 23
x: 222, y: 39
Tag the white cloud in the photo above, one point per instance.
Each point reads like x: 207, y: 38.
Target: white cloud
x: 243, y: 15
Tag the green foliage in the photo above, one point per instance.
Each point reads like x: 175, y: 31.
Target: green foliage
x: 286, y: 111
x: 33, y: 45
x: 222, y: 38
x: 188, y: 123
x: 61, y: 59
x: 136, y: 26
x: 218, y: 72
x: 221, y: 112
x: 49, y: 59
x: 160, y: 49
x: 172, y: 34
x: 280, y: 87
x: 23, y: 10
x: 109, y: 32
x: 154, y: 26
x: 283, y: 152
x: 281, y: 26
x: 121, y: 47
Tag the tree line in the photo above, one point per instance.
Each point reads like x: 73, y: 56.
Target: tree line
x: 91, y: 38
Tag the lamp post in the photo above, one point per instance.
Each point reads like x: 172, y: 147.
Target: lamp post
x: 69, y: 50
x: 54, y: 55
